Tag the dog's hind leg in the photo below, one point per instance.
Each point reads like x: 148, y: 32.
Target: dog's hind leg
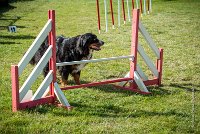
x: 64, y: 73
x: 46, y: 70
x: 63, y: 81
x: 77, y: 77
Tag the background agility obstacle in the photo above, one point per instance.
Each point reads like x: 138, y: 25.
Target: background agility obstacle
x: 145, y: 6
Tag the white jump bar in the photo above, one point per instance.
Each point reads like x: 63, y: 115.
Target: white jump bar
x: 94, y: 60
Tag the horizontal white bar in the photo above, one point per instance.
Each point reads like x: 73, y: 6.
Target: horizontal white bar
x: 43, y: 87
x: 149, y: 40
x: 93, y: 60
x: 60, y: 95
x: 34, y: 74
x: 34, y: 47
x: 139, y: 82
x: 147, y: 60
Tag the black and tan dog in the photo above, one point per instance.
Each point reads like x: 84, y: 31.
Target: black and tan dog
x: 76, y: 48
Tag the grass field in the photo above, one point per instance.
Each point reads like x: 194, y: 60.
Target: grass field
x: 172, y: 108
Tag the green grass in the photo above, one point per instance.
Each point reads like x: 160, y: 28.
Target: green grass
x: 174, y: 25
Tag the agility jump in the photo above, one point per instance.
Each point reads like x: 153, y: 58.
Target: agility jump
x: 140, y: 4
x: 49, y: 91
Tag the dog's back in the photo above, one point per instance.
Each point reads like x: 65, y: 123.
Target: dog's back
x: 42, y: 49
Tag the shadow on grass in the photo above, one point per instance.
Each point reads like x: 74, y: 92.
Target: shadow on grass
x: 5, y: 8
x: 188, y: 87
x: 8, y: 20
x: 111, y: 111
x: 104, y: 111
x: 8, y: 43
x: 18, y: 37
x: 13, y: 38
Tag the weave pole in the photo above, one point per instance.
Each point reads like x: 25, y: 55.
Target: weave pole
x: 141, y: 7
x: 106, y: 15
x: 128, y: 10
x: 123, y: 10
x: 144, y: 8
x: 133, y: 5
x: 137, y: 4
x: 150, y: 5
x: 118, y: 13
x: 98, y: 15
x: 111, y: 9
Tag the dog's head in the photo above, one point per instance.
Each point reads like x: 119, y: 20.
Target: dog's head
x: 90, y: 41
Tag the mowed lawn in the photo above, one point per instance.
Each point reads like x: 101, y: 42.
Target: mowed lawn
x: 172, y: 108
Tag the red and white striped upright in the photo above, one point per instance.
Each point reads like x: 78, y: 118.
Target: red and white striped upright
x: 134, y: 44
x: 22, y: 97
x: 15, y: 88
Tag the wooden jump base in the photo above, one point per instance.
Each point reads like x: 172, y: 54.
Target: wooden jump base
x: 49, y: 91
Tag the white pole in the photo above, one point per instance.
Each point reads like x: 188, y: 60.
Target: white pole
x: 106, y: 16
x: 150, y: 7
x: 94, y: 60
x: 144, y: 7
x: 119, y: 13
x: 137, y: 4
x: 129, y: 17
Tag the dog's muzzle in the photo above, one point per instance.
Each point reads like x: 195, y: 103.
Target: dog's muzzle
x: 97, y: 46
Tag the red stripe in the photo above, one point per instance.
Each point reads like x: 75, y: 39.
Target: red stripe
x: 123, y: 10
x: 30, y: 104
x: 15, y: 88
x: 141, y: 10
x: 133, y: 4
x: 111, y: 8
x: 96, y: 83
x: 52, y: 39
x: 98, y: 14
x: 159, y: 66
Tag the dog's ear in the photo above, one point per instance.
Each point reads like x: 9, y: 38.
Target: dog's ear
x: 82, y: 41
x: 82, y: 44
x: 59, y: 39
